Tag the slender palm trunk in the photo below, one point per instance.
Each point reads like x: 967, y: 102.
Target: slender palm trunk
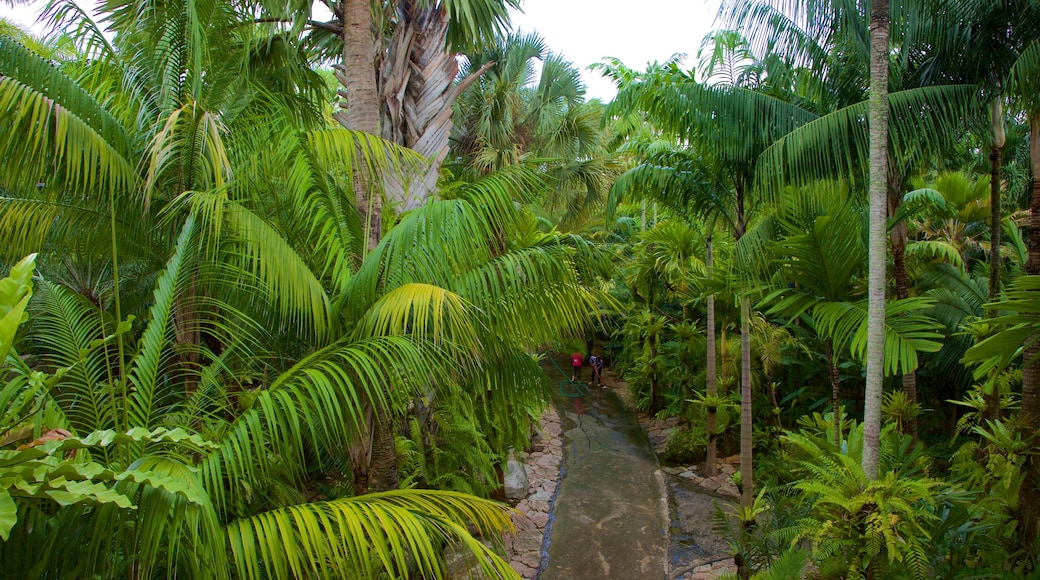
x: 746, y: 472
x: 1029, y: 495
x: 878, y: 111
x: 898, y: 236
x: 746, y: 455
x: 711, y: 388
x: 992, y: 411
x: 832, y: 366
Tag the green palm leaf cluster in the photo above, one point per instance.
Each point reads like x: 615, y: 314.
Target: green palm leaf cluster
x: 210, y: 329
x: 529, y: 108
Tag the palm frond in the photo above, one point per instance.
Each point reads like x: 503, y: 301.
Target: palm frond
x: 906, y: 332
x: 43, y: 142
x: 368, y: 537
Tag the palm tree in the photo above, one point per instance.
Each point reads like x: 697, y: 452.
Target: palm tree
x: 878, y: 119
x: 830, y: 39
x: 678, y: 179
x: 247, y: 223
x: 821, y: 254
x: 231, y: 508
x: 730, y: 126
x: 510, y: 116
x: 1016, y: 50
x: 398, y: 70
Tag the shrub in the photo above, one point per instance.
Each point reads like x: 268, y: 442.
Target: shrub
x: 685, y: 446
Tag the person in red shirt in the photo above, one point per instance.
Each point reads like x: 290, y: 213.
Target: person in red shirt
x: 576, y: 360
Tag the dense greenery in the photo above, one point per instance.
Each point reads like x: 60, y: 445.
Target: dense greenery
x: 234, y: 305
x: 769, y: 143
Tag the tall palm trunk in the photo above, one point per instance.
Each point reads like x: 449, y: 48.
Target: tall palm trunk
x: 1029, y: 495
x: 997, y: 139
x: 711, y: 388
x: 832, y: 366
x: 373, y: 458
x: 878, y: 116
x: 746, y: 471
x: 746, y: 455
x: 898, y: 236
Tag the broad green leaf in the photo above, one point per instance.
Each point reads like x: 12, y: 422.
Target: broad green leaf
x: 8, y: 514
x: 15, y: 291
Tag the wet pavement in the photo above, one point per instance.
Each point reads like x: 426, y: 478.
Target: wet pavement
x: 610, y: 515
x: 693, y: 541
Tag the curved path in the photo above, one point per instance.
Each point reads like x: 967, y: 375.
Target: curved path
x: 610, y: 516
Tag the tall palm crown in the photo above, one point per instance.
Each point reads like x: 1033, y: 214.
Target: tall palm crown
x: 512, y: 116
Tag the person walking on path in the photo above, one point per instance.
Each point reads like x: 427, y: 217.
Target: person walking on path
x: 597, y: 370
x: 576, y: 361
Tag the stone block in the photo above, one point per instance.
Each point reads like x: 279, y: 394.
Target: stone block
x: 528, y: 541
x: 540, y: 496
x: 539, y: 506
x: 515, y: 479
x: 540, y: 519
x: 531, y: 560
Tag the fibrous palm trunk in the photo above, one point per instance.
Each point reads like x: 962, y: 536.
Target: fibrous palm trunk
x: 417, y: 90
x: 878, y: 115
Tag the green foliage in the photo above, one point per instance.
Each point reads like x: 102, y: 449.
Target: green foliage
x: 897, y: 409
x: 760, y: 533
x: 1019, y: 328
x: 790, y: 565
x: 904, y: 524
x: 685, y: 446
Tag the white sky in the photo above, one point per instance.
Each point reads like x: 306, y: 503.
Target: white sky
x: 586, y: 31
x: 21, y: 15
x: 635, y: 31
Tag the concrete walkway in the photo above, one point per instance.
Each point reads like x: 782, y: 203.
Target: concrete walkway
x: 611, y: 512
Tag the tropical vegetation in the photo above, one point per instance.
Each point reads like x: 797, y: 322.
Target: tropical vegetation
x: 276, y: 286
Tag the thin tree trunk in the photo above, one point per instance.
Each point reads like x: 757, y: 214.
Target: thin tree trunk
x: 711, y: 388
x: 835, y: 393
x: 878, y: 116
x: 775, y: 402
x: 746, y: 471
x: 1029, y: 494
x: 902, y: 278
x: 992, y: 411
x: 654, y: 394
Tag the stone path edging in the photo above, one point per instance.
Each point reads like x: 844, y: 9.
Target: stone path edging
x: 532, y: 518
